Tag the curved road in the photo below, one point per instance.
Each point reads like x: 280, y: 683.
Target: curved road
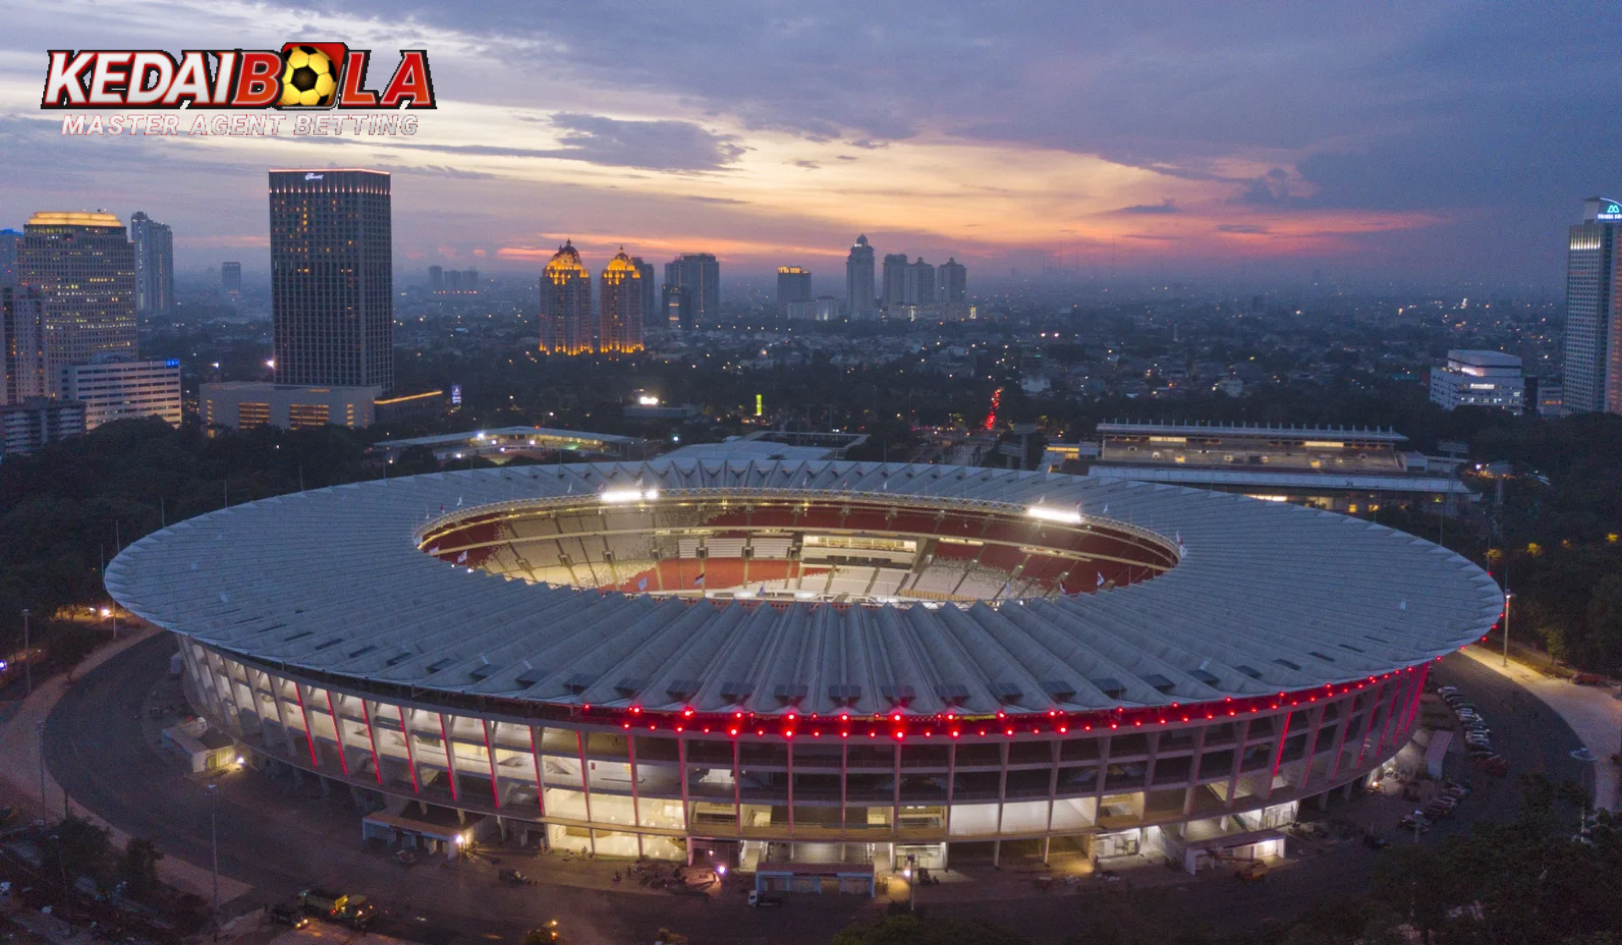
x: 280, y: 838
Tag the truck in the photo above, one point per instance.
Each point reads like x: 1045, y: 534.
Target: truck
x: 351, y: 910
x: 762, y: 900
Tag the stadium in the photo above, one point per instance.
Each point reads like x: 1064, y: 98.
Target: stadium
x: 819, y: 671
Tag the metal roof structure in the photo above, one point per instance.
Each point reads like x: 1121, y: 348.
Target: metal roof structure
x: 1266, y: 598
x: 1205, y: 476
x: 1155, y: 428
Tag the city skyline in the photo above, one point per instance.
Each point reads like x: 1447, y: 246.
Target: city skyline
x: 1382, y: 146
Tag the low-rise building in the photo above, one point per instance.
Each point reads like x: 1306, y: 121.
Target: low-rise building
x: 125, y: 390
x: 1479, y: 379
x: 239, y: 405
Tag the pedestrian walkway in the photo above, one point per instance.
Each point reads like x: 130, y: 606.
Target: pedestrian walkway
x: 1591, y: 711
x: 25, y: 778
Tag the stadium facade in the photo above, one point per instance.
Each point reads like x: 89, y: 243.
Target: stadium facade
x: 782, y: 663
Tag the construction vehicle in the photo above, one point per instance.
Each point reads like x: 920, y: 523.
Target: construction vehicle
x: 353, y: 911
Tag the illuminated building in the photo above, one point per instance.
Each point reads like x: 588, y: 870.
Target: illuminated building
x: 84, y: 268
x: 859, y: 298
x: 619, y: 306
x: 1479, y: 379
x: 10, y: 245
x: 154, y: 266
x: 22, y: 343
x: 1593, y: 357
x: 700, y: 274
x: 768, y: 662
x: 332, y: 277
x: 125, y: 390
x: 1341, y: 469
x: 793, y: 285
x: 241, y: 405
x: 677, y: 307
x: 566, y: 304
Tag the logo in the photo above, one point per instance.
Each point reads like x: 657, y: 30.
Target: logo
x: 301, y: 77
x: 312, y: 175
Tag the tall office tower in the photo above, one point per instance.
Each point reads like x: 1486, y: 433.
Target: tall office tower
x: 793, y: 285
x: 918, y: 284
x: 453, y: 281
x: 1593, y: 359
x: 22, y: 343
x: 154, y: 266
x: 84, y: 268
x: 952, y: 283
x: 677, y: 304
x: 332, y: 277
x: 436, y: 279
x: 859, y: 279
x: 566, y: 304
x: 619, y: 306
x: 699, y: 273
x: 895, y: 277
x: 10, y: 244
x: 231, y: 279
x: 650, y: 291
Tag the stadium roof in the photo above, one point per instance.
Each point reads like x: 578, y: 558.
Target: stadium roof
x: 1363, y: 434
x: 1267, y: 598
x: 1200, y: 477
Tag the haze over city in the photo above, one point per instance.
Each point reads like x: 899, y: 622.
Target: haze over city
x: 1419, y: 142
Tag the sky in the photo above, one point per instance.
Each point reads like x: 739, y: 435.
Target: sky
x: 1433, y: 141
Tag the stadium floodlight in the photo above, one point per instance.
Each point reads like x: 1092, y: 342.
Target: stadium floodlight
x: 1048, y: 513
x: 623, y: 496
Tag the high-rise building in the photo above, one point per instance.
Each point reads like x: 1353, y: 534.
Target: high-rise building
x: 154, y: 266
x: 895, y: 277
x: 332, y: 277
x: 677, y: 307
x: 650, y: 291
x: 1593, y: 357
x: 793, y: 285
x: 619, y: 301
x: 125, y: 390
x: 700, y: 274
x: 566, y: 304
x: 27, y: 426
x: 83, y: 265
x: 11, y: 243
x: 436, y: 279
x: 22, y: 343
x: 918, y: 284
x: 859, y: 296
x: 952, y: 283
x: 231, y: 279
x: 826, y: 308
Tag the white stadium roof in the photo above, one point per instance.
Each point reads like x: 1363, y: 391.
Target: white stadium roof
x: 1267, y: 598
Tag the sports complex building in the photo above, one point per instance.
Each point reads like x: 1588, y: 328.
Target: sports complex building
x: 811, y: 669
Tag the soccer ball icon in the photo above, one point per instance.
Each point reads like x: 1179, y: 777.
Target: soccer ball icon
x: 309, y: 78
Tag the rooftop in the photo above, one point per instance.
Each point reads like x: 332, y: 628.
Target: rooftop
x: 1272, y: 432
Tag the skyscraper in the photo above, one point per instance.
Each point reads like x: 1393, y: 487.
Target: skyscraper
x: 793, y: 285
x: 700, y: 274
x: 154, y: 266
x: 22, y: 353
x: 566, y: 304
x: 436, y: 279
x: 619, y: 301
x: 1593, y: 357
x: 84, y: 268
x: 677, y: 305
x: 650, y: 291
x: 332, y: 277
x: 952, y: 283
x: 918, y: 284
x: 231, y: 279
x: 895, y: 277
x: 859, y: 279
x: 11, y: 243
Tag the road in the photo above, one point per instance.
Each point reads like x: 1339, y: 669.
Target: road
x: 280, y: 838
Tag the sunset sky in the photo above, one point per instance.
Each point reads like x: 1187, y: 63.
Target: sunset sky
x: 1434, y: 141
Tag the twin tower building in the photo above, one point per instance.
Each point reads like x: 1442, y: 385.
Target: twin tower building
x: 626, y: 301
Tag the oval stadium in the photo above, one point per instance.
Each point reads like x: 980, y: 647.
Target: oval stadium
x: 814, y: 670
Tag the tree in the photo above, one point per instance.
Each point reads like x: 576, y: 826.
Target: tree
x: 76, y: 848
x: 138, y: 867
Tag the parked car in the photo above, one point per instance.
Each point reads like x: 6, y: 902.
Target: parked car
x: 764, y: 900
x: 283, y: 914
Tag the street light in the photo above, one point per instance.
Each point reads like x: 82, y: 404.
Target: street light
x: 214, y: 849
x: 1507, y: 598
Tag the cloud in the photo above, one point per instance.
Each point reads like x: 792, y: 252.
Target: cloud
x: 1243, y: 228
x: 1165, y: 206
x: 662, y: 145
x: 808, y: 165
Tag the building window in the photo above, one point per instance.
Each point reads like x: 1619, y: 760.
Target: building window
x: 300, y: 416
x: 252, y: 415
